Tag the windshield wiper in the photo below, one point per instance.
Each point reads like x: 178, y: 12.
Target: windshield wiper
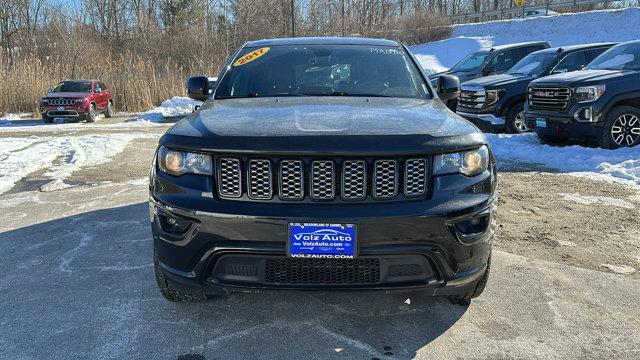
x: 248, y: 95
x: 342, y: 93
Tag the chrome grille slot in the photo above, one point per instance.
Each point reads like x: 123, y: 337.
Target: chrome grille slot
x: 549, y: 98
x: 415, y: 177
x: 322, y: 180
x: 229, y: 177
x: 354, y: 179
x: 260, y: 179
x: 291, y: 180
x: 385, y: 179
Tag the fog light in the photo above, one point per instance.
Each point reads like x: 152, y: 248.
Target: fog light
x: 475, y: 225
x: 585, y: 114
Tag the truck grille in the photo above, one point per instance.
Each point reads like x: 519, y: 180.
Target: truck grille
x: 472, y: 98
x: 289, y: 271
x: 60, y: 102
x: 322, y: 180
x: 549, y: 98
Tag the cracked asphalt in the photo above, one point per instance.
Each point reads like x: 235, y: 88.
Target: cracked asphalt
x: 77, y: 283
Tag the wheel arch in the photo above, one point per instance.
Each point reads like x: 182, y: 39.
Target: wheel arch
x: 631, y: 98
x: 517, y: 99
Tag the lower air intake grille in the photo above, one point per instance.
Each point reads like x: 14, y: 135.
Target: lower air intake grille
x: 292, y: 271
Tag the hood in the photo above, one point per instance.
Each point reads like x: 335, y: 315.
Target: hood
x: 67, y: 95
x: 498, y: 81
x: 324, y: 125
x: 583, y: 76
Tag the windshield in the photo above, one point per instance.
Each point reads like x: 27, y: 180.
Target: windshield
x: 620, y: 57
x: 470, y: 62
x: 73, y: 86
x: 322, y: 70
x: 534, y: 64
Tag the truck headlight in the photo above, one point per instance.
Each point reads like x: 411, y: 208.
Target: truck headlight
x: 176, y: 163
x: 493, y: 95
x: 589, y: 93
x: 468, y: 163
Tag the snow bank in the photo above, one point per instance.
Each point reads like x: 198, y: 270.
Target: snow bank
x: 560, y: 30
x: 176, y: 106
x: 621, y: 165
x: 59, y: 156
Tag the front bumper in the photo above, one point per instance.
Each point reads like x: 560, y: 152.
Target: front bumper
x: 64, y: 111
x: 566, y: 125
x: 230, y: 245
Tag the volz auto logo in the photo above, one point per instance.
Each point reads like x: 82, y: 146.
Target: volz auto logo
x: 544, y: 93
x: 323, y: 235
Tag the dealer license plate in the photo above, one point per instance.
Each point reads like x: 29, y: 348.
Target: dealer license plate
x: 60, y: 108
x: 541, y: 122
x: 322, y: 240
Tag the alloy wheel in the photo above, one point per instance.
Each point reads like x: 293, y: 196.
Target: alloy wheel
x: 519, y: 123
x: 625, y: 131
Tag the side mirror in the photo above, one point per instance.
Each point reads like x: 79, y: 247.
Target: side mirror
x: 49, y: 90
x: 448, y: 87
x: 197, y: 88
x: 488, y: 70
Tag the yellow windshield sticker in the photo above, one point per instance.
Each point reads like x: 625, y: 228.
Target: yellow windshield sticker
x: 251, y: 56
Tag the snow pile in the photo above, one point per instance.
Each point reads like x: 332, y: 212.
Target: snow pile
x: 560, y: 30
x: 176, y: 106
x: 620, y: 165
x: 59, y: 156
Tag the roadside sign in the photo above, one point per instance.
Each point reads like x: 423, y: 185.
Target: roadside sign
x: 519, y: 2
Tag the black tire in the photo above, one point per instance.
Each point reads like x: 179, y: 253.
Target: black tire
x: 168, y: 292
x: 91, y: 115
x: 514, y: 119
x: 109, y: 112
x: 625, y: 134
x: 477, y: 290
x: 46, y: 119
x: 552, y: 140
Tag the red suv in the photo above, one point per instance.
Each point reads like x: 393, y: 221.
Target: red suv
x: 77, y: 100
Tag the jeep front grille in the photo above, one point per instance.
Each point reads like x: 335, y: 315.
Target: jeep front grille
x: 60, y: 102
x: 549, y: 98
x: 322, y: 180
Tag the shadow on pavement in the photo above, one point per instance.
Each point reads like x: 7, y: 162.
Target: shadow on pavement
x: 83, y: 287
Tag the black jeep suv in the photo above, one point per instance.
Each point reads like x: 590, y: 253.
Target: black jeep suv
x: 497, y: 102
x: 485, y: 62
x: 601, y: 102
x: 322, y: 163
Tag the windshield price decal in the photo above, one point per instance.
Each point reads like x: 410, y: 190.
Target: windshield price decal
x: 251, y: 56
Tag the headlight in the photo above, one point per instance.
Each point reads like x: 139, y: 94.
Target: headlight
x: 468, y: 163
x: 177, y: 163
x: 80, y: 101
x: 589, y: 93
x: 492, y: 96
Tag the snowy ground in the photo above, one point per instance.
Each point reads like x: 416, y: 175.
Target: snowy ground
x: 567, y: 29
x: 620, y: 165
